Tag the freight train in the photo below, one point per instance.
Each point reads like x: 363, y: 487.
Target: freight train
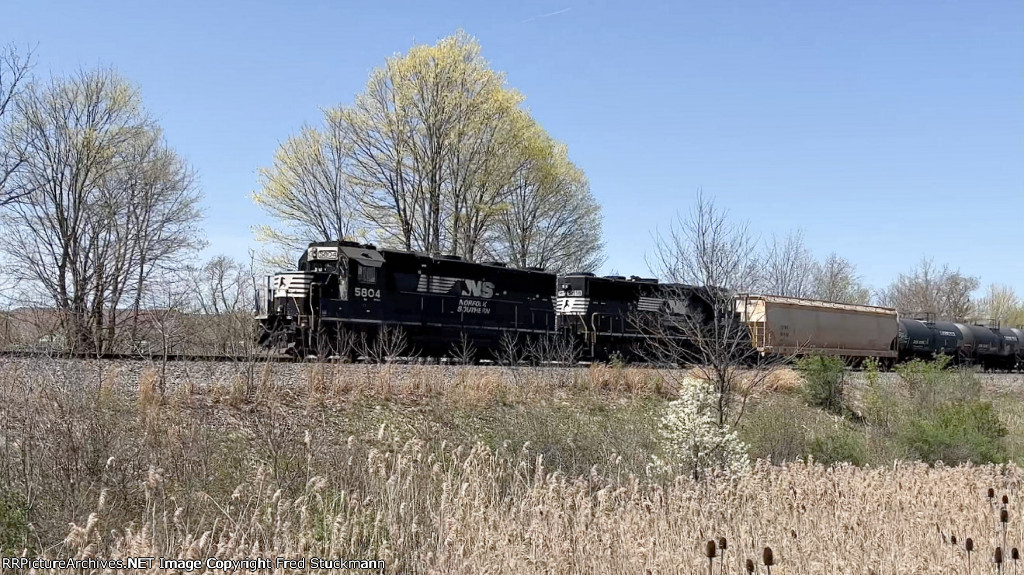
x: 344, y: 294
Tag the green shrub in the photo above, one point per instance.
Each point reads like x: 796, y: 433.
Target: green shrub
x: 13, y: 525
x: 781, y: 429
x: 956, y: 432
x: 824, y: 382
x: 839, y: 444
x: 933, y: 383
x: 884, y: 404
x: 774, y: 429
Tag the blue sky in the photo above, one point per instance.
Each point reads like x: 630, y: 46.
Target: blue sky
x: 885, y: 130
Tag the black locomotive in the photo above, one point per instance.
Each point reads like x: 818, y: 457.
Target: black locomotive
x: 616, y: 317
x: 345, y: 292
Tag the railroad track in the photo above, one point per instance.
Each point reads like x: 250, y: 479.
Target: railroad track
x: 261, y: 358
x: 50, y: 354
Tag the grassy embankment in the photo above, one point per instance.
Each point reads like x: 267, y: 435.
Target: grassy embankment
x: 458, y: 470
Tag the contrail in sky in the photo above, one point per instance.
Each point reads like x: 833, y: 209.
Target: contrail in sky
x: 549, y: 14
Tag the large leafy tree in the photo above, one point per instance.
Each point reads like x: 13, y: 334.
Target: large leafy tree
x: 437, y: 154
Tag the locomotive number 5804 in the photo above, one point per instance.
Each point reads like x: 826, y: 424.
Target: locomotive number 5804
x: 367, y: 292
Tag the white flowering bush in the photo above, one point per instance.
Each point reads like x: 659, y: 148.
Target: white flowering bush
x: 693, y: 437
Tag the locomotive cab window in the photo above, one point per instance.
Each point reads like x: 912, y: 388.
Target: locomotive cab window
x: 367, y: 275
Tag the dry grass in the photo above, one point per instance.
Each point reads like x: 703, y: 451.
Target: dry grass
x: 344, y: 463
x: 783, y: 380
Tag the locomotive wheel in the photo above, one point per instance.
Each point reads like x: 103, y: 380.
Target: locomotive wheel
x: 277, y: 340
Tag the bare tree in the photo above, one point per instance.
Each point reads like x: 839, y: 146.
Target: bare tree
x: 157, y: 229
x: 699, y: 324
x: 1000, y: 305
x: 464, y: 350
x: 939, y: 292
x: 789, y: 267
x: 308, y: 191
x: 706, y: 248
x: 388, y: 345
x: 104, y: 203
x: 551, y: 219
x: 836, y: 280
x: 511, y: 351
x: 222, y: 295
x: 164, y: 323
x: 14, y: 68
x: 553, y: 348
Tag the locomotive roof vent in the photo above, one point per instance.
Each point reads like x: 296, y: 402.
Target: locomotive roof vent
x: 496, y: 264
x: 643, y: 280
x: 584, y: 274
x: 451, y: 257
x: 615, y: 277
x: 534, y: 269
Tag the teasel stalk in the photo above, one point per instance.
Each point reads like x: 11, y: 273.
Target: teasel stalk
x: 711, y: 551
x: 969, y: 546
x: 1015, y: 555
x: 723, y: 544
x: 1004, y: 518
x: 768, y: 558
x: 998, y: 558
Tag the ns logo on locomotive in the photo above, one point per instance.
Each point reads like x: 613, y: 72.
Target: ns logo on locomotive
x: 342, y: 286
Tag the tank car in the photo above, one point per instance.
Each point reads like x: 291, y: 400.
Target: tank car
x: 987, y: 347
x: 926, y: 339
x: 1018, y: 334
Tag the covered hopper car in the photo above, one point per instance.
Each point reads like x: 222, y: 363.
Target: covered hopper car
x: 793, y: 326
